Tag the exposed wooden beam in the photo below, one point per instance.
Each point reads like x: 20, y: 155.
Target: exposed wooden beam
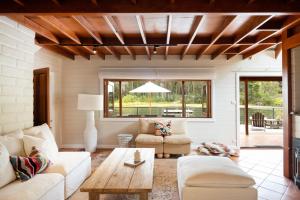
x: 111, y: 23
x: 278, y: 50
x: 60, y: 51
x: 53, y: 21
x: 211, y: 1
x: 35, y: 27
x: 76, y: 51
x: 248, y: 27
x: 89, y: 28
x: 193, y: 33
x: 227, y: 21
x: 251, y: 1
x: 256, y: 50
x: 133, y: 1
x: 56, y: 2
x: 19, y: 2
x: 169, y: 27
x: 143, y: 35
x: 163, y: 6
x: 262, y: 36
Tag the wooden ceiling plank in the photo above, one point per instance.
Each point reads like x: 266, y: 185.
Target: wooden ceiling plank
x: 193, y: 33
x: 61, y: 27
x: 257, y: 49
x: 251, y: 1
x: 19, y: 2
x: 278, y: 49
x: 225, y: 24
x: 59, y: 50
x: 133, y: 1
x: 110, y: 22
x: 88, y: 27
x: 101, y: 55
x: 143, y: 35
x: 55, y: 22
x: 169, y: 28
x: 76, y: 51
x: 262, y: 36
x: 35, y: 27
x: 243, y: 34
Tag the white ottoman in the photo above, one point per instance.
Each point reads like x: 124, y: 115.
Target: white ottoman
x: 213, y: 178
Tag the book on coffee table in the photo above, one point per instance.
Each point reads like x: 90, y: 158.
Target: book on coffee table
x: 132, y: 163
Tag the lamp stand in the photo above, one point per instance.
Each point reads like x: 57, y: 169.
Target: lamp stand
x: 90, y: 133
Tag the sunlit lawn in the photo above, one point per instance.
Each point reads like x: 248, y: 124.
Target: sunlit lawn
x: 156, y: 104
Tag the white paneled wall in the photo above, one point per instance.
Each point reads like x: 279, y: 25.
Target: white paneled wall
x: 17, y: 50
x: 81, y: 76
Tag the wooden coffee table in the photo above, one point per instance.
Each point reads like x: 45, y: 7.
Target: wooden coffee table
x: 113, y: 177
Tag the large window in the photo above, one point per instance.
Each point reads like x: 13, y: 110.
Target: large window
x: 185, y: 98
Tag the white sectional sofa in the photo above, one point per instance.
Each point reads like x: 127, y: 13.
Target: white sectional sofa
x: 60, y: 180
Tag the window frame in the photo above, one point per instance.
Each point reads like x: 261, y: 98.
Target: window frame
x: 106, y: 96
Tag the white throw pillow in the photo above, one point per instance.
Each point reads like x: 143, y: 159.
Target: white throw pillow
x: 44, y: 132
x: 41, y: 144
x: 7, y: 172
x: 13, y: 142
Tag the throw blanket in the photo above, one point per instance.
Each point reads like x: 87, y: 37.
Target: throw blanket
x: 217, y: 149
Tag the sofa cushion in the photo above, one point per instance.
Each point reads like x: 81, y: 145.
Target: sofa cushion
x: 43, y: 145
x: 7, y: 172
x: 44, y: 132
x: 212, y: 171
x: 67, y: 161
x: 13, y: 141
x: 33, y: 189
x: 162, y: 128
x: 146, y: 126
x: 179, y: 127
x: 149, y: 139
x: 177, y: 139
x: 27, y: 167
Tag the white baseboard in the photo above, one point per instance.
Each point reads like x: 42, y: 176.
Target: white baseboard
x: 80, y: 146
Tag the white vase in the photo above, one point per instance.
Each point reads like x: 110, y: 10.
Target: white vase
x: 90, y: 133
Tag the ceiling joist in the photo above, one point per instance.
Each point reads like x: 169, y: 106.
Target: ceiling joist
x: 112, y: 25
x: 193, y: 33
x: 143, y: 35
x: 89, y: 28
x: 169, y: 28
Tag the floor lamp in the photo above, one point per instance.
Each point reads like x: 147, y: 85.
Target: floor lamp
x: 90, y: 103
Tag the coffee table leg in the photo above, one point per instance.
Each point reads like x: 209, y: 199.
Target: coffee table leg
x: 144, y: 196
x: 94, y: 196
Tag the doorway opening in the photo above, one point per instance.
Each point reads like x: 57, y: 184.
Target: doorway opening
x: 41, y: 112
x: 261, y: 112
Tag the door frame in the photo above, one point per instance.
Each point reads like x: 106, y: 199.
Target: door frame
x: 238, y: 75
x: 47, y: 72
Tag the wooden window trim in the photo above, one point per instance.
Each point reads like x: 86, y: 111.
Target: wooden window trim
x: 106, y: 100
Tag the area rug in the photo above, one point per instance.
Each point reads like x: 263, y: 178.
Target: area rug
x: 164, y: 187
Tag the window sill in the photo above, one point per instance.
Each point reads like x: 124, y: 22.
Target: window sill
x: 136, y: 119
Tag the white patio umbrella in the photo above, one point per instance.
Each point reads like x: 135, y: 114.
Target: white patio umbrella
x: 149, y: 88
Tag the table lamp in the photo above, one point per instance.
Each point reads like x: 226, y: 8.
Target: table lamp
x: 90, y: 103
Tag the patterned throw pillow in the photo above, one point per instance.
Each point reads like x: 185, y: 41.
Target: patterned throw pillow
x: 26, y: 167
x: 162, y: 129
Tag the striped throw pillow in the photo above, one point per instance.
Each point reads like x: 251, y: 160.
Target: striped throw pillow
x: 26, y: 167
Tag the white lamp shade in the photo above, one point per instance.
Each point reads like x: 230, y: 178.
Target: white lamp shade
x: 90, y: 102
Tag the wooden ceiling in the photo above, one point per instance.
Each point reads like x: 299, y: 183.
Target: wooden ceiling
x: 149, y: 27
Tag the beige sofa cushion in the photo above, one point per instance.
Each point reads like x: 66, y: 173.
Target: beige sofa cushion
x: 7, y: 173
x: 146, y: 126
x: 149, y: 139
x: 13, y: 141
x: 33, y: 189
x: 177, y: 139
x: 178, y: 127
x: 212, y: 171
x: 66, y: 162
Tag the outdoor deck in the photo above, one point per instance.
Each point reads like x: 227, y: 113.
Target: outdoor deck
x: 261, y: 138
